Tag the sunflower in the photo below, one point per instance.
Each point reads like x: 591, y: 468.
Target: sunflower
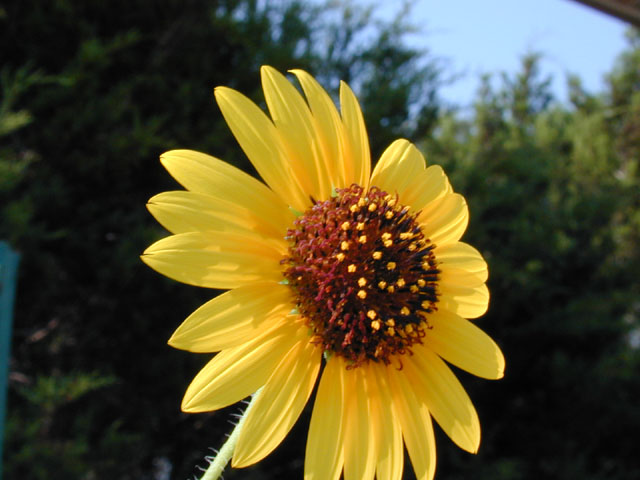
x: 335, y: 274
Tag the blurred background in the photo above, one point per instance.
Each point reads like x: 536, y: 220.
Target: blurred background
x: 92, y: 93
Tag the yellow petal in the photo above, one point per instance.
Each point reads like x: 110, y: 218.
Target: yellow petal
x: 461, y: 265
x: 294, y: 123
x: 415, y: 420
x: 220, y: 260
x: 328, y: 126
x: 238, y: 372
x: 207, y: 175
x: 324, y: 453
x: 260, y: 141
x: 280, y: 402
x: 425, y: 188
x: 464, y: 345
x: 468, y: 302
x: 391, y: 453
x: 399, y: 164
x: 358, y: 157
x: 446, y: 399
x: 360, y: 442
x: 446, y: 221
x: 185, y: 211
x: 232, y: 318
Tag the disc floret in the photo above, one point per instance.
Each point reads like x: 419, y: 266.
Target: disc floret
x: 363, y: 275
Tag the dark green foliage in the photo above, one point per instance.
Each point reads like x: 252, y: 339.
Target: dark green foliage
x: 93, y: 92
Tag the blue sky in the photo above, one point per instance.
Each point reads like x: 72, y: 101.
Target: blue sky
x: 475, y: 36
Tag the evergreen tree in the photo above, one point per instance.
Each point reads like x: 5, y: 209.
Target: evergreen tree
x: 554, y: 210
x: 90, y: 97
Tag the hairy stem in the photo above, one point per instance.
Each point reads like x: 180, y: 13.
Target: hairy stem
x: 217, y: 465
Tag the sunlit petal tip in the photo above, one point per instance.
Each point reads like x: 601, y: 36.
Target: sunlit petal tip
x: 221, y: 94
x: 190, y: 402
x: 462, y: 267
x: 221, y: 90
x: 188, y: 408
x: 401, y: 170
x: 501, y: 365
x: 153, y: 200
x: 279, y: 403
x: 269, y: 75
x: 448, y: 402
x: 357, y: 140
x: 172, y: 157
x: 447, y: 220
x: 268, y: 69
x: 461, y: 343
x: 174, y: 342
x: 233, y: 318
x: 237, y: 372
x: 264, y: 144
x: 147, y: 258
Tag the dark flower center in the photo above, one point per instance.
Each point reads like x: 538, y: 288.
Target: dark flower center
x: 363, y: 274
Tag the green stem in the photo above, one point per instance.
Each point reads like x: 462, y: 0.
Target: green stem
x: 216, y: 467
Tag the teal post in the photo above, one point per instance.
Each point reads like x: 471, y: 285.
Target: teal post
x: 8, y: 269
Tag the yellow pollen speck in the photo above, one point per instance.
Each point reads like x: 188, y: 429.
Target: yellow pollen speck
x: 405, y: 311
x: 405, y: 235
x: 377, y: 255
x: 340, y: 257
x: 391, y: 265
x: 409, y: 328
x: 391, y: 289
x: 391, y: 331
x: 344, y: 245
x: 412, y: 247
x: 425, y: 305
x: 362, y: 239
x: 400, y: 282
x: 389, y: 215
x: 387, y: 197
x: 385, y: 236
x: 426, y: 266
x: 362, y: 294
x: 413, y: 288
x: 391, y: 202
x: 361, y: 202
x: 391, y: 322
x: 360, y: 226
x: 388, y: 243
x: 351, y: 268
x: 382, y: 284
x: 345, y: 226
x: 354, y: 208
x: 362, y: 281
x: 375, y: 324
x: 372, y: 207
x: 421, y: 282
x: 372, y: 314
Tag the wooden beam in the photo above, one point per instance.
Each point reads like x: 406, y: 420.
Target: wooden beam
x: 628, y: 11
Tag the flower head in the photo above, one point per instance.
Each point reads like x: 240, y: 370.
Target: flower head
x: 327, y: 261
